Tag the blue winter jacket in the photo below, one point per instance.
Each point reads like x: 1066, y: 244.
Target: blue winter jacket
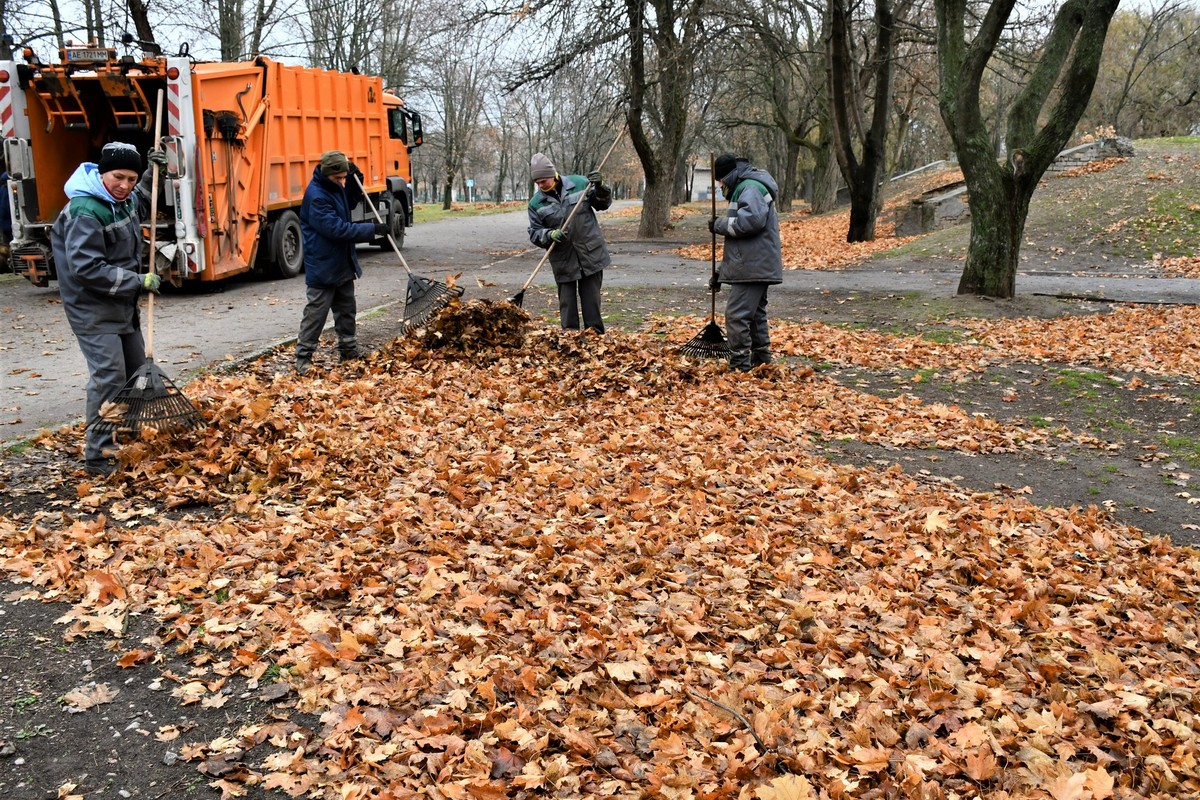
x: 329, y: 236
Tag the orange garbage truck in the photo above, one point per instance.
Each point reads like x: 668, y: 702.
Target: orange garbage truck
x: 242, y: 139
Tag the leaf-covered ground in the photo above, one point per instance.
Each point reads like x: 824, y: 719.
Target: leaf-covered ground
x: 501, y: 561
x: 581, y: 566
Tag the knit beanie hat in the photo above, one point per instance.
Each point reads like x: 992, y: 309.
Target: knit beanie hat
x: 118, y: 155
x: 333, y: 162
x: 541, y: 167
x: 725, y: 164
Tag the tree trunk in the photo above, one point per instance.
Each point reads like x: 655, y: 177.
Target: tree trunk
x: 141, y: 20
x: 825, y: 179
x: 1057, y: 91
x: 865, y: 201
x: 791, y: 175
x: 997, y: 225
x: 448, y: 193
x: 863, y: 175
x: 656, y: 210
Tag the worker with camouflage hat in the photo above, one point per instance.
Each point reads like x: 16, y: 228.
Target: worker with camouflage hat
x: 753, y: 259
x: 330, y: 259
x: 580, y: 253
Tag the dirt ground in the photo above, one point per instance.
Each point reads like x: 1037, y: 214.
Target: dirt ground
x: 130, y: 745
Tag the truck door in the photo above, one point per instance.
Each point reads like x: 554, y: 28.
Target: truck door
x: 232, y: 105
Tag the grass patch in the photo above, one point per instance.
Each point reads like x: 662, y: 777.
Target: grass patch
x: 1172, y: 226
x: 945, y: 336
x: 1084, y: 382
x: 432, y: 212
x: 18, y: 448
x: 1185, y: 448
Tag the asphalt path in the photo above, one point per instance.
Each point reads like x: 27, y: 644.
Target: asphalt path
x: 42, y: 373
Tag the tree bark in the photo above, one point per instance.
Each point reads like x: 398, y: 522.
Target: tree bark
x: 141, y: 20
x: 1000, y: 193
x: 863, y: 175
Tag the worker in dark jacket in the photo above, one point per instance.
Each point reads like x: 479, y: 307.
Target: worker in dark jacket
x: 580, y: 253
x: 753, y: 259
x: 330, y: 259
x: 97, y: 243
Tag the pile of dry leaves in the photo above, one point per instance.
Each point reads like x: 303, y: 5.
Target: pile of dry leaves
x: 584, y: 567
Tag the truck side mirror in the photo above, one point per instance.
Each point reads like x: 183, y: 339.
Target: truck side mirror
x: 417, y: 136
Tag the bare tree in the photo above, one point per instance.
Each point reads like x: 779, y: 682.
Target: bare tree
x: 455, y: 83
x: 1150, y: 73
x: 859, y: 81
x: 342, y: 34
x: 1062, y: 78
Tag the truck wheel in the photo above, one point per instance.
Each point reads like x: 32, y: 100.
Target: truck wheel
x: 398, y: 224
x: 287, y: 245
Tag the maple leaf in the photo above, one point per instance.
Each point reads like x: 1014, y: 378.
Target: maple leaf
x: 936, y: 521
x: 786, y: 787
x: 84, y: 697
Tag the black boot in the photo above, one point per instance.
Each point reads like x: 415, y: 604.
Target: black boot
x: 759, y: 355
x: 739, y: 360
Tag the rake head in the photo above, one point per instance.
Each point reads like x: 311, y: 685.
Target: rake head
x: 424, y: 300
x: 518, y: 299
x: 709, y: 343
x: 148, y: 400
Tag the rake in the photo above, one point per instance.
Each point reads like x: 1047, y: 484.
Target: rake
x: 518, y: 299
x: 710, y: 342
x: 149, y: 400
x: 425, y: 297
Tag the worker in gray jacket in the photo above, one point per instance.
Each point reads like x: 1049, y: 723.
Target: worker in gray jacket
x: 753, y: 259
x: 580, y: 253
x: 97, y: 243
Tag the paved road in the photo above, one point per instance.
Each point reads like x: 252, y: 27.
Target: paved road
x: 43, y: 374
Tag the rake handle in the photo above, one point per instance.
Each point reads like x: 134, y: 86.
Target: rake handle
x: 546, y: 256
x: 379, y: 219
x: 153, y: 265
x: 712, y: 194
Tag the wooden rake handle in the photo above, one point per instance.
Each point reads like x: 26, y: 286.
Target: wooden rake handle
x: 712, y: 193
x: 153, y: 265
x: 379, y: 219
x: 546, y: 256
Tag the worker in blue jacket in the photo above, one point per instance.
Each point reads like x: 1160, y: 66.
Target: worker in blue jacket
x: 330, y: 259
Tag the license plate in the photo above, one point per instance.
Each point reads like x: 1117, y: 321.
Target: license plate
x: 87, y: 54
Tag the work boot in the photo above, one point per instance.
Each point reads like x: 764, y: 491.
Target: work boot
x: 349, y: 355
x: 759, y: 355
x: 739, y: 360
x: 102, y: 467
x: 303, y: 366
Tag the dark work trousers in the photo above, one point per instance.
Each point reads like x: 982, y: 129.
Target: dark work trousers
x: 320, y: 301
x: 746, y: 321
x: 583, y: 292
x: 112, y: 359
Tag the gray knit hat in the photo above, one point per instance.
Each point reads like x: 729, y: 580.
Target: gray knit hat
x: 333, y: 162
x: 541, y: 167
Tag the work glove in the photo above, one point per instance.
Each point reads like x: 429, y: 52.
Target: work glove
x: 558, y: 235
x: 714, y: 284
x: 595, y: 178
x: 382, y: 229
x: 159, y: 157
x: 712, y: 225
x: 151, y: 282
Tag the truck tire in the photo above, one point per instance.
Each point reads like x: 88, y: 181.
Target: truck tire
x: 398, y: 222
x: 287, y: 246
